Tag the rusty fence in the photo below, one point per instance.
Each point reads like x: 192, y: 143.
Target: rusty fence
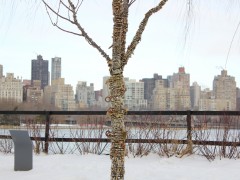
x: 187, y: 114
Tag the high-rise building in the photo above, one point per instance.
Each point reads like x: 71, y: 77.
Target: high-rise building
x: 40, y: 71
x: 11, y: 88
x: 181, y: 83
x: 195, y: 92
x: 56, y: 68
x: 163, y: 97
x: 224, y: 88
x: 134, y: 95
x: 85, y: 95
x: 1, y: 71
x: 149, y: 85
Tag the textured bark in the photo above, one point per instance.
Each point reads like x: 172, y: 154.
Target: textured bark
x: 117, y: 90
x: 118, y: 134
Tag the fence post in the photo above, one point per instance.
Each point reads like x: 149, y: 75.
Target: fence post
x: 47, y: 124
x: 189, y: 131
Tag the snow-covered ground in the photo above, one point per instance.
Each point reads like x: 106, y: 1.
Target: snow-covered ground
x: 97, y: 167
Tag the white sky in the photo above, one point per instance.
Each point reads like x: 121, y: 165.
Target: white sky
x: 92, y: 167
x: 25, y: 31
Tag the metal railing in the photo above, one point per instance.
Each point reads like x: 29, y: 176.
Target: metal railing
x: 188, y: 115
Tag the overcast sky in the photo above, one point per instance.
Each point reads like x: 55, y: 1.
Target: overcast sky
x: 172, y: 39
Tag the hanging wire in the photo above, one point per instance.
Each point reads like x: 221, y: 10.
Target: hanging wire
x: 230, y: 47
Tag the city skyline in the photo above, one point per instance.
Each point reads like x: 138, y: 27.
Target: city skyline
x: 172, y: 93
x: 103, y: 79
x: 26, y: 32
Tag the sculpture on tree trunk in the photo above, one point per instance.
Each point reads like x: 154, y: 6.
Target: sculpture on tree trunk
x: 120, y: 57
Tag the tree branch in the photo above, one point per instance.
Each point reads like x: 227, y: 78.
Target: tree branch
x: 73, y: 10
x: 64, y: 30
x: 138, y: 35
x: 65, y: 5
x: 78, y: 5
x: 131, y: 2
x: 56, y: 24
x: 124, y: 28
x: 84, y: 34
x: 56, y: 13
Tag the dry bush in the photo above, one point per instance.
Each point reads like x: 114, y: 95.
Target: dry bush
x: 6, y: 145
x: 219, y: 129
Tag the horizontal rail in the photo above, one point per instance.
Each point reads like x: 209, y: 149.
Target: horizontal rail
x: 213, y: 113
x: 155, y: 141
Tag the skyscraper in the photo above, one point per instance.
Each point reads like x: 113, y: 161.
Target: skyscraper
x: 224, y: 88
x: 40, y: 71
x: 181, y: 83
x: 56, y: 68
x: 195, y: 92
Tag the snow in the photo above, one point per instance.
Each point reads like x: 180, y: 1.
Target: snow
x: 97, y: 167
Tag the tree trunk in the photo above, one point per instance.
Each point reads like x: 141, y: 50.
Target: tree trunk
x: 118, y: 134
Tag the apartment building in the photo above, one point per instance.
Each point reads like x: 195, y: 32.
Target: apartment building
x: 60, y: 95
x: 224, y: 90
x: 85, y: 95
x: 134, y: 95
x: 11, y: 88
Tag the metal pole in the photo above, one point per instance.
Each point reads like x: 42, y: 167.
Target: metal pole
x: 189, y: 131
x: 47, y: 124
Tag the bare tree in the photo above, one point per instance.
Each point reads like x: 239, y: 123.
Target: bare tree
x: 120, y: 56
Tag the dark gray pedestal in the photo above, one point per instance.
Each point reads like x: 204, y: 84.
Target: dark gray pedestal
x: 23, y: 150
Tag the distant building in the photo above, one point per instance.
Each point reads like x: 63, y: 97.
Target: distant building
x: 172, y: 93
x: 149, y: 85
x: 163, y: 97
x: 11, y: 88
x: 35, y: 93
x: 40, y: 71
x: 85, y: 95
x: 238, y: 99
x: 134, y: 95
x: 56, y: 68
x: 105, y: 92
x: 224, y: 89
x: 1, y: 71
x: 60, y: 95
x: 26, y: 82
x: 98, y: 94
x: 223, y: 96
x: 195, y: 92
x: 98, y: 99
x: 181, y: 83
x: 207, y: 101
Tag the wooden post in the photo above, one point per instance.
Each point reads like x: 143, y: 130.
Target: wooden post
x: 47, y: 124
x: 189, y: 132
